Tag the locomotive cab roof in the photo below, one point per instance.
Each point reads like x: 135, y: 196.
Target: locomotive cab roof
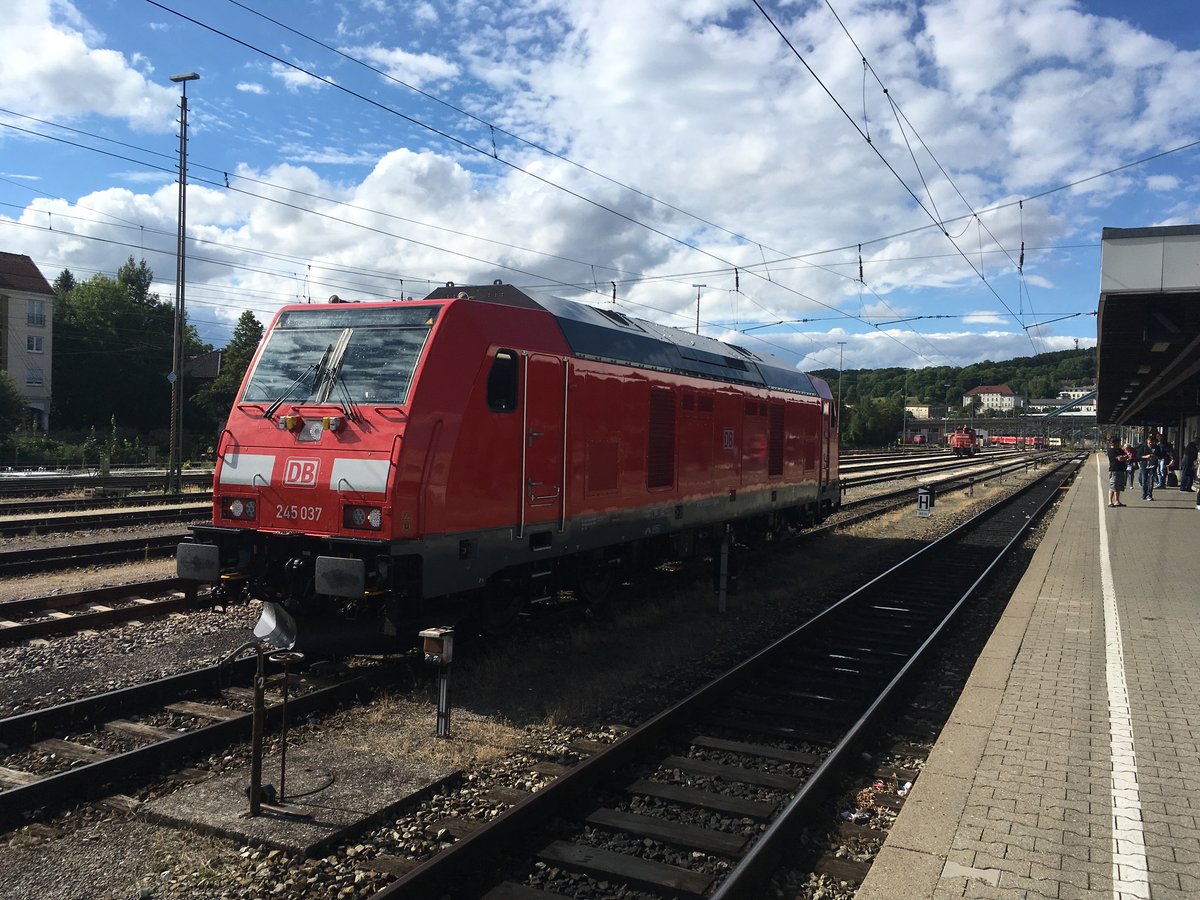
x: 608, y: 335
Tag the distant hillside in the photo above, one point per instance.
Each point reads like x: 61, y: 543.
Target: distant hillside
x: 874, y: 399
x: 1032, y: 376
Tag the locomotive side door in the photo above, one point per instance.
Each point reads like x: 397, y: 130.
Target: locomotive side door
x: 827, y: 427
x: 543, y: 456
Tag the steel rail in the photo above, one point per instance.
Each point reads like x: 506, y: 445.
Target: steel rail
x: 754, y: 870
x: 81, y: 782
x: 83, y: 521
x: 14, y: 508
x: 513, y: 827
x: 34, y: 559
x: 176, y: 593
x: 20, y: 485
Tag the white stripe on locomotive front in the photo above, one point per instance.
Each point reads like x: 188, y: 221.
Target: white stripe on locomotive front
x: 247, y: 468
x: 368, y: 476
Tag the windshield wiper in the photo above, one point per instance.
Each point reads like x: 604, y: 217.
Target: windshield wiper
x: 270, y: 411
x: 347, y: 402
x: 324, y: 373
x: 319, y: 374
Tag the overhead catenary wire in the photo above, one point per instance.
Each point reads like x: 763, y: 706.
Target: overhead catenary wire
x: 467, y: 145
x: 493, y: 128
x: 224, y: 184
x: 765, y: 255
x: 882, y: 158
x: 683, y: 275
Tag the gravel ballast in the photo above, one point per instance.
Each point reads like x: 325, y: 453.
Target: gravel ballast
x: 518, y: 706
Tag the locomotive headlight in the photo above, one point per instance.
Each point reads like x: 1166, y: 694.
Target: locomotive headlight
x: 310, y: 431
x: 369, y: 518
x: 241, y: 508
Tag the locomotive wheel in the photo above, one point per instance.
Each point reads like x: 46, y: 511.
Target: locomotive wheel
x: 499, y: 608
x: 595, y: 578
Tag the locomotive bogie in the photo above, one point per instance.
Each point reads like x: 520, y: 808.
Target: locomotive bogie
x: 515, y: 447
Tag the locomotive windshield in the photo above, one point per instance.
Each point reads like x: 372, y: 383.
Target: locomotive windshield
x: 318, y: 356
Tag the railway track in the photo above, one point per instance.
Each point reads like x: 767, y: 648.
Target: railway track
x: 862, y: 474
x: 65, y: 613
x: 708, y: 798
x: 86, y: 521
x: 49, y: 484
x: 22, y: 620
x: 23, y: 560
x: 875, y: 504
x: 31, y: 507
x: 80, y: 750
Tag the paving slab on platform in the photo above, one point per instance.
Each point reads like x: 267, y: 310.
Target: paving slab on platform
x: 344, y: 791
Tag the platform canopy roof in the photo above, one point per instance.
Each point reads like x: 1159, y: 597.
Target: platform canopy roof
x: 1148, y: 328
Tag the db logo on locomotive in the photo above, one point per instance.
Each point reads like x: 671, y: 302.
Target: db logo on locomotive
x: 301, y: 472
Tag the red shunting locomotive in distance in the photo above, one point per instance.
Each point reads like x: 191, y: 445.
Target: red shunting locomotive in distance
x: 387, y: 462
x: 963, y: 441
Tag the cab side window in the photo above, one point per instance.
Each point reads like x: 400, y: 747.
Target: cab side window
x: 502, y: 382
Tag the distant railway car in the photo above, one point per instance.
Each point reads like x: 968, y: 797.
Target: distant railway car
x: 385, y: 462
x: 963, y: 442
x: 1020, y: 442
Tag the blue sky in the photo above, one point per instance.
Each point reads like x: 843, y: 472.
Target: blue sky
x: 376, y: 149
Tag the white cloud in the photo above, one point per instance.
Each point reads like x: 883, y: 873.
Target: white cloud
x: 50, y: 68
x: 416, y: 69
x: 699, y: 104
x: 294, y: 79
x: 1162, y: 183
x: 985, y: 318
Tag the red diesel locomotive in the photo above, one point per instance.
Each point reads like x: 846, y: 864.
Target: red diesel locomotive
x: 387, y: 460
x: 963, y: 441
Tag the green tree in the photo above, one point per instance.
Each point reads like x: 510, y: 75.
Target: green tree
x: 136, y: 279
x: 873, y: 422
x: 12, y: 404
x: 112, y: 351
x: 216, y: 397
x: 64, y: 283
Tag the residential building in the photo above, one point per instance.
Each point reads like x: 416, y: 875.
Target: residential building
x: 26, y: 333
x: 926, y: 411
x: 997, y: 397
x: 1066, y: 397
x: 1071, y: 392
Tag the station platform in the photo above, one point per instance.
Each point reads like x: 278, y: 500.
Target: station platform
x: 1070, y: 767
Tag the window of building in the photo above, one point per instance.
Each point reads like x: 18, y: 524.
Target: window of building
x: 35, y: 312
x: 33, y: 343
x: 34, y: 376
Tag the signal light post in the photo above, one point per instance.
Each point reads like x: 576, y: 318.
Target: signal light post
x: 174, y: 482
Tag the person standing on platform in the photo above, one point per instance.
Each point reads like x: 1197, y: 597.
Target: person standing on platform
x: 1166, y: 455
x: 1187, y: 466
x: 1116, y: 472
x: 1147, y: 454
